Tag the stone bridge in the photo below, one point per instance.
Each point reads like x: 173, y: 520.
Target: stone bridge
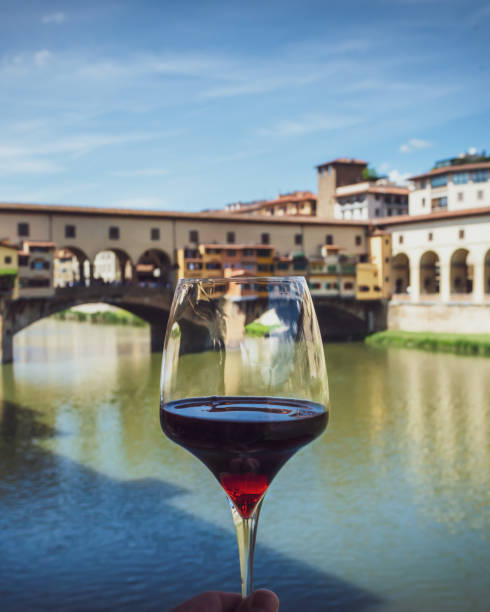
x: 339, y: 319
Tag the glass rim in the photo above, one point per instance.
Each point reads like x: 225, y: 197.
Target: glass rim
x: 241, y: 279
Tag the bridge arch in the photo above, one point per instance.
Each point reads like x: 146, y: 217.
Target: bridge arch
x: 486, y: 273
x: 461, y: 277
x: 429, y: 273
x: 112, y: 265
x: 401, y: 273
x: 154, y: 268
x: 77, y: 270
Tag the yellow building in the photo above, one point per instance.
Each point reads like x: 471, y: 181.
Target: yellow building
x: 373, y: 277
x: 9, y: 270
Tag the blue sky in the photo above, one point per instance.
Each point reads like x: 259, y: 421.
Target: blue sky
x: 187, y: 106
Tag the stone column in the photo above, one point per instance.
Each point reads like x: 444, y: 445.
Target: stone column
x: 415, y: 282
x: 157, y: 334
x: 445, y: 281
x: 478, y: 282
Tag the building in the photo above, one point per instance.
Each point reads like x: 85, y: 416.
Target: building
x: 36, y: 268
x: 370, y: 200
x: 455, y: 184
x: 9, y: 270
x: 334, y: 174
x: 301, y: 203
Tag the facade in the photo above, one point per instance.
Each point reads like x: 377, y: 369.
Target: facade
x: 459, y: 185
x: 370, y: 200
x: 298, y: 203
x: 9, y: 270
x: 443, y: 257
x: 36, y: 268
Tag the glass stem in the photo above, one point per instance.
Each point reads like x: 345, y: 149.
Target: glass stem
x: 246, y: 532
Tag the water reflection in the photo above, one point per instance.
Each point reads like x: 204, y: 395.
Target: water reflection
x: 98, y: 510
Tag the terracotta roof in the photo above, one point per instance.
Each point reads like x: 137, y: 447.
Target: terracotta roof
x: 383, y: 189
x: 452, y: 169
x: 7, y: 245
x: 301, y: 196
x: 344, y: 160
x: 220, y: 216
x: 435, y: 216
x: 40, y: 243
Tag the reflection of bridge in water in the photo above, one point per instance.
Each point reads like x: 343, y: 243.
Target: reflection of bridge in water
x: 339, y: 319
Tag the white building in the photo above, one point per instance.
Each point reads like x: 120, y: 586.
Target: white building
x: 370, y: 200
x: 455, y: 184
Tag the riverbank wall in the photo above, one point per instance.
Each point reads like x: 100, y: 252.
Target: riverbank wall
x: 463, y: 318
x: 461, y: 344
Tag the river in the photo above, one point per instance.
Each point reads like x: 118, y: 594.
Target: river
x: 389, y: 510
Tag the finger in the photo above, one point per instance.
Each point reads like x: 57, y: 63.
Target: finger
x: 260, y: 601
x: 212, y: 601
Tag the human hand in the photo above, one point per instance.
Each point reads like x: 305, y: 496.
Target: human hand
x: 218, y: 601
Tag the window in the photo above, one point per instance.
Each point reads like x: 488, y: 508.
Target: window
x: 358, y: 240
x: 387, y: 199
x: 422, y: 184
x: 376, y: 212
x: 23, y: 229
x: 213, y: 265
x: 460, y: 178
x: 248, y: 252
x: 329, y: 239
x: 283, y: 265
x: 265, y: 267
x: 193, y: 236
x: 423, y: 202
x: 348, y: 286
x: 460, y: 196
x: 479, y: 195
x: 70, y: 231
x: 113, y: 233
x: 387, y: 279
x: 377, y: 196
x: 155, y: 233
x: 400, y: 239
x: 191, y: 253
x: 194, y: 265
x: 387, y: 259
x: 461, y: 234
x: 263, y: 252
x: 230, y: 237
x: 430, y: 236
x: 479, y: 176
x: 8, y: 259
x: 265, y: 238
x: 439, y: 181
x: 363, y: 288
x: 23, y: 260
x: 298, y: 239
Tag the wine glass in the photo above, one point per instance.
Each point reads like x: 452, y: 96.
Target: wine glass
x: 243, y: 385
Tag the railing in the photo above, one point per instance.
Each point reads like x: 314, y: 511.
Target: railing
x: 111, y: 290
x: 401, y: 297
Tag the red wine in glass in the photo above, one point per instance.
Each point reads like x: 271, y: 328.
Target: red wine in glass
x: 244, y: 441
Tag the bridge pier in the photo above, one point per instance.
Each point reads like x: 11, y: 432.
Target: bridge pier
x: 6, y: 337
x: 157, y: 335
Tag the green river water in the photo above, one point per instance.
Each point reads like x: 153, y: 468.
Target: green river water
x: 389, y: 510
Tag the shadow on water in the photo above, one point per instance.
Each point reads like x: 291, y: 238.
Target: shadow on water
x: 80, y: 540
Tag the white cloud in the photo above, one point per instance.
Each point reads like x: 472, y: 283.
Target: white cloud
x: 141, y: 172
x: 400, y: 178
x: 413, y: 144
x: 41, y: 58
x: 57, y: 18
x: 309, y: 124
x: 26, y: 165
